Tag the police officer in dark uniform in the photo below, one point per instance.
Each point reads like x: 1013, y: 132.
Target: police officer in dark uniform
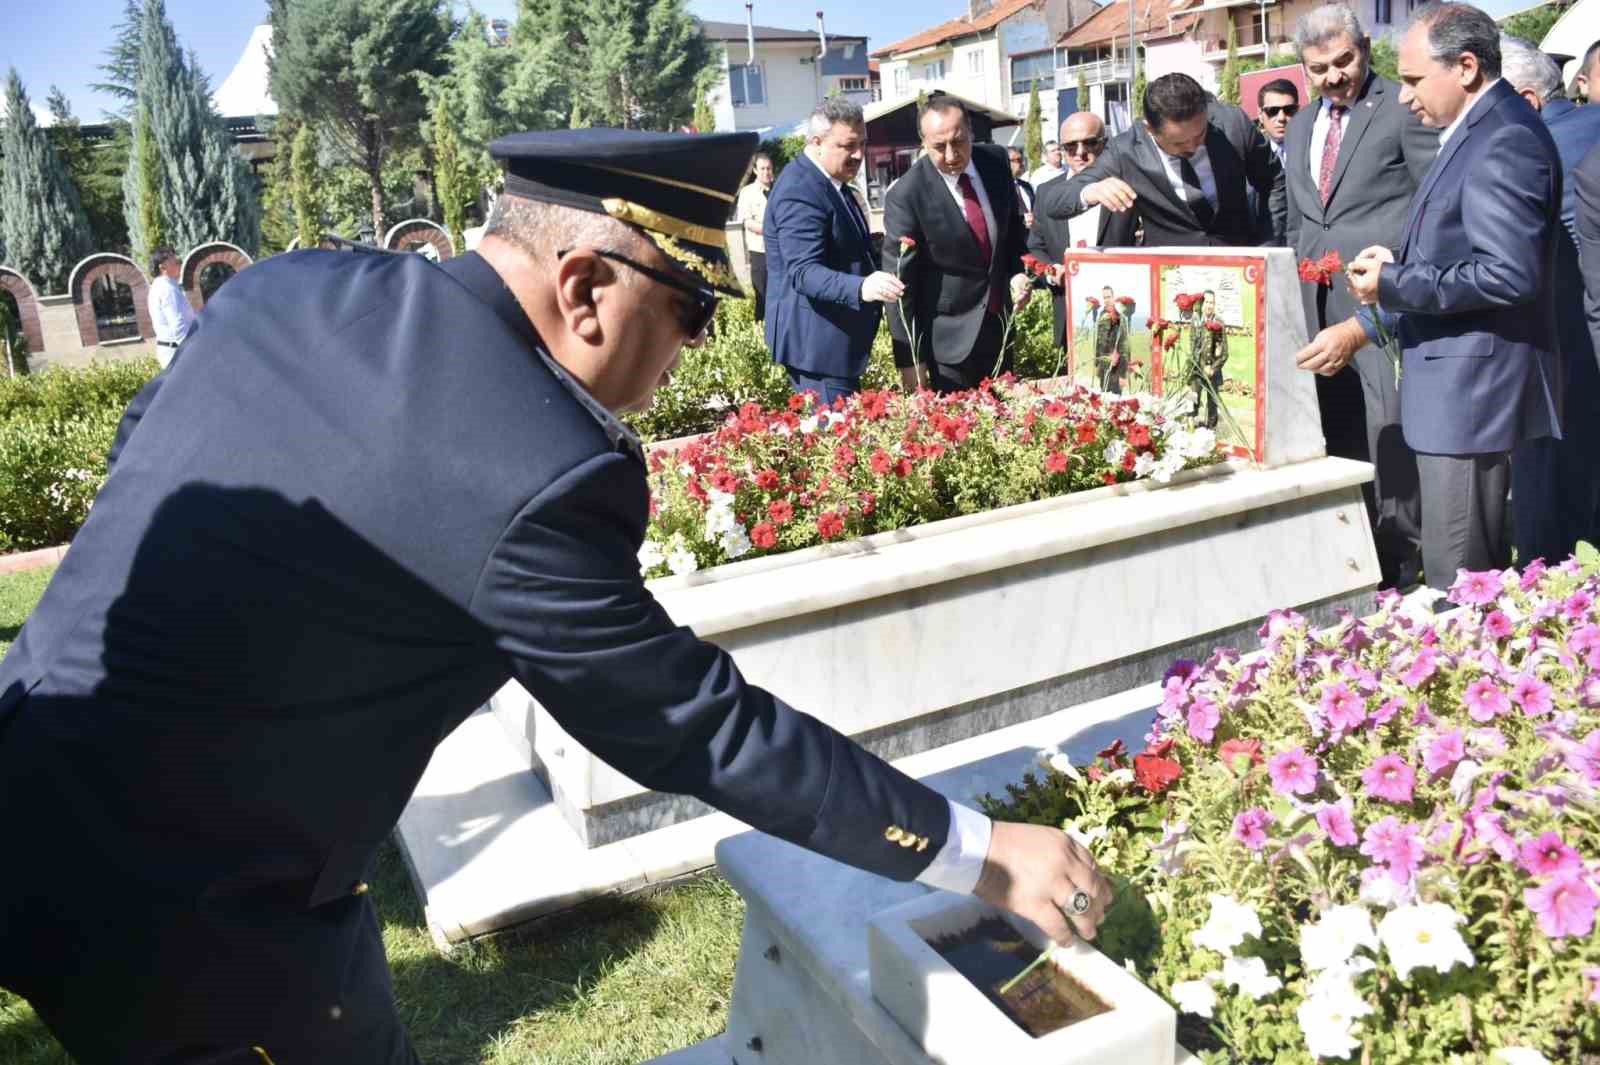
x: 369, y: 490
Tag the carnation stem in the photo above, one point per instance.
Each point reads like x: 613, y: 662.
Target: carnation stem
x: 1009, y: 984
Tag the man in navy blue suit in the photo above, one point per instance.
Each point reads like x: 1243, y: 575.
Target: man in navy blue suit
x: 824, y: 288
x: 368, y: 491
x: 1472, y: 293
x: 1556, y: 483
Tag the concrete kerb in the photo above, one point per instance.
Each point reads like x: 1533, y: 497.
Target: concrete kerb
x: 22, y: 561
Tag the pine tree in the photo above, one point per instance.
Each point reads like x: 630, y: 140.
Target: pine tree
x: 96, y: 173
x: 705, y: 118
x: 1033, y: 130
x: 1228, y: 86
x: 204, y: 188
x: 307, y: 209
x: 121, y: 67
x: 351, y: 67
x: 278, y: 226
x: 448, y: 175
x: 141, y: 190
x: 640, y: 64
x: 42, y: 225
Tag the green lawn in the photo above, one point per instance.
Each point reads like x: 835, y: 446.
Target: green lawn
x: 614, y: 983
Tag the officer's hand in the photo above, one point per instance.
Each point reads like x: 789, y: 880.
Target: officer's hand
x: 1113, y: 193
x: 1053, y: 276
x: 1021, y: 290
x: 1332, y: 349
x: 1027, y: 219
x: 881, y: 287
x: 1034, y: 872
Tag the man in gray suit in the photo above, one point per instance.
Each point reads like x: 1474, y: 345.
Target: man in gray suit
x: 1354, y: 162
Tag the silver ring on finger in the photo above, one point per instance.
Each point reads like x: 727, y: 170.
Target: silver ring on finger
x: 1080, y: 903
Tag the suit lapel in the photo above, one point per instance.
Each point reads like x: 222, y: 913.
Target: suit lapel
x: 1148, y: 158
x: 1297, y: 155
x: 1463, y: 133
x: 995, y: 186
x: 1355, y: 126
x: 1227, y: 174
x: 935, y: 190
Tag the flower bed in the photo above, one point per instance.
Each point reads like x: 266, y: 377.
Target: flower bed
x: 771, y: 481
x: 1374, y: 843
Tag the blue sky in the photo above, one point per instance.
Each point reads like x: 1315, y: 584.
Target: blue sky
x: 61, y: 43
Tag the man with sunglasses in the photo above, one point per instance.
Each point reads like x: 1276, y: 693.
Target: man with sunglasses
x: 370, y: 491
x: 1276, y: 103
x: 1355, y: 162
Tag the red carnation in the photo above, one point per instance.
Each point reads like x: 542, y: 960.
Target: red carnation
x: 767, y: 480
x: 764, y: 536
x: 1091, y: 301
x: 1214, y: 325
x: 1056, y: 462
x: 1154, y: 773
x: 781, y: 511
x: 1126, y: 301
x: 830, y: 526
x: 907, y: 244
x: 1321, y: 271
x: 1184, y: 301
x: 1113, y: 317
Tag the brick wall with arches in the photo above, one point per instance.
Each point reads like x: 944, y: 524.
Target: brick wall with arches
x: 27, y: 305
x: 413, y: 233
x: 206, y: 268
x: 101, y: 276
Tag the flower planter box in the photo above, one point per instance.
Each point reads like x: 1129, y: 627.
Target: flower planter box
x: 953, y: 1021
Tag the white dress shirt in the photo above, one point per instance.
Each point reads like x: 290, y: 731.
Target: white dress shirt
x: 1466, y: 109
x: 952, y: 183
x: 1045, y: 173
x: 752, y: 207
x: 1201, y: 160
x: 170, y: 316
x: 1319, y: 136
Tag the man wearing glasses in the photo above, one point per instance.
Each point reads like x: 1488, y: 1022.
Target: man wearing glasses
x: 1354, y: 162
x: 1276, y: 104
x: 379, y: 489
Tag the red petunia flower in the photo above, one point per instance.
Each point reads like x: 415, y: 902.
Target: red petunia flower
x: 902, y: 468
x: 830, y: 526
x: 1138, y: 435
x: 798, y: 403
x: 764, y: 536
x: 869, y: 503
x: 1088, y: 432
x: 723, y: 481
x: 881, y: 462
x: 1056, y: 462
x: 781, y: 511
x: 1154, y: 773
x: 767, y: 480
x: 873, y: 405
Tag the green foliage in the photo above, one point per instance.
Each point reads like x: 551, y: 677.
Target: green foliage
x: 1532, y: 25
x: 55, y: 429
x: 1228, y: 82
x: 1033, y: 130
x: 783, y: 150
x: 344, y: 194
x: 354, y: 69
x: 96, y: 172
x: 1140, y: 79
x: 705, y: 118
x: 1083, y: 92
x: 190, y: 186
x: 278, y: 223
x: 449, y: 178
x: 639, y: 64
x: 42, y: 226
x: 305, y: 194
x: 1386, y: 58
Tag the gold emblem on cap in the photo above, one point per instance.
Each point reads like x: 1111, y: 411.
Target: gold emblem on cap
x: 655, y: 221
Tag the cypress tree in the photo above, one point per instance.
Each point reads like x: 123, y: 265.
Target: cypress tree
x: 1228, y: 85
x: 278, y: 226
x: 42, y: 224
x: 141, y: 190
x: 1033, y: 130
x: 448, y: 175
x: 307, y: 209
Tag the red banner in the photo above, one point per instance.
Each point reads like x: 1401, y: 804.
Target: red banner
x: 1250, y: 85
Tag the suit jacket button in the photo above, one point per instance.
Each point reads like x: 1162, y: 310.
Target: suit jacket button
x: 1326, y: 227
x: 360, y: 888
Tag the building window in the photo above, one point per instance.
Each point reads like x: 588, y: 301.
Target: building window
x: 975, y: 61
x: 902, y: 80
x: 933, y: 71
x: 747, y: 85
x: 852, y: 84
x: 1027, y: 69
x: 1383, y: 12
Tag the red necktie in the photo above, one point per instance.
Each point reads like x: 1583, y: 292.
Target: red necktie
x: 1330, y: 154
x: 973, y: 209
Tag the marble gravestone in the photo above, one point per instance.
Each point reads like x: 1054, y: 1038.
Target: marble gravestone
x: 921, y: 638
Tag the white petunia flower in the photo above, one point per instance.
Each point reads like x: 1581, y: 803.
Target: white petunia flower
x: 1199, y: 443
x: 1144, y: 465
x: 1461, y: 780
x: 1334, y: 938
x: 1423, y: 935
x: 1194, y: 996
x: 1250, y: 976
x: 1121, y: 778
x: 651, y: 555
x: 808, y: 424
x: 1327, y: 1019
x: 1166, y: 466
x: 1115, y: 451
x: 1519, y: 1056
x: 1056, y: 759
x: 1227, y: 926
x: 1169, y: 854
x: 735, y: 541
x: 1380, y: 889
x: 681, y: 560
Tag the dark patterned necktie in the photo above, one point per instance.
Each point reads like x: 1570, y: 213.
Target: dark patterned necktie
x: 1330, y: 153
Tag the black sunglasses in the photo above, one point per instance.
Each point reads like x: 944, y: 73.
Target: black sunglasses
x: 1088, y: 144
x: 1281, y: 109
x: 695, y: 318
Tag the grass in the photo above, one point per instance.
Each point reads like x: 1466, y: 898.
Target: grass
x: 614, y: 983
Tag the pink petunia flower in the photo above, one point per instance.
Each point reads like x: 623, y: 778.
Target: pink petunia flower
x: 1584, y: 759
x: 1386, y: 711
x: 1203, y: 719
x: 1336, y: 820
x: 1250, y: 827
x: 1485, y: 700
x: 1592, y: 975
x: 1475, y: 589
x: 1444, y: 752
x: 1577, y: 606
x: 1423, y: 666
x: 1533, y: 695
x: 1293, y: 772
x: 1532, y: 574
x: 1343, y: 708
x: 1497, y: 626
x: 1548, y: 856
x: 1391, y: 778
x: 1396, y: 844
x: 1565, y: 906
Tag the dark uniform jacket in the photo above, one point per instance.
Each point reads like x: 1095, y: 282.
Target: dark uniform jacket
x: 360, y: 500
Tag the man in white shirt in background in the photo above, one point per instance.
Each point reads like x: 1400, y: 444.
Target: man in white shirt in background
x: 1051, y: 167
x: 752, y: 209
x: 170, y: 314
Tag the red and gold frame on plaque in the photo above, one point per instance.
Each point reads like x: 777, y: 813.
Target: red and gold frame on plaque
x: 1213, y: 311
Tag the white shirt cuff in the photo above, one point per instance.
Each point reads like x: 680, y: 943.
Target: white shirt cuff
x: 960, y: 861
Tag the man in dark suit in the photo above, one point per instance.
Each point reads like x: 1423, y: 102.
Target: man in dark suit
x: 963, y: 264
x: 1355, y: 160
x: 1472, y: 292
x: 1586, y: 222
x: 321, y: 546
x: 1183, y: 173
x: 824, y: 288
x: 1024, y: 187
x: 1083, y: 138
x: 1556, y: 483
